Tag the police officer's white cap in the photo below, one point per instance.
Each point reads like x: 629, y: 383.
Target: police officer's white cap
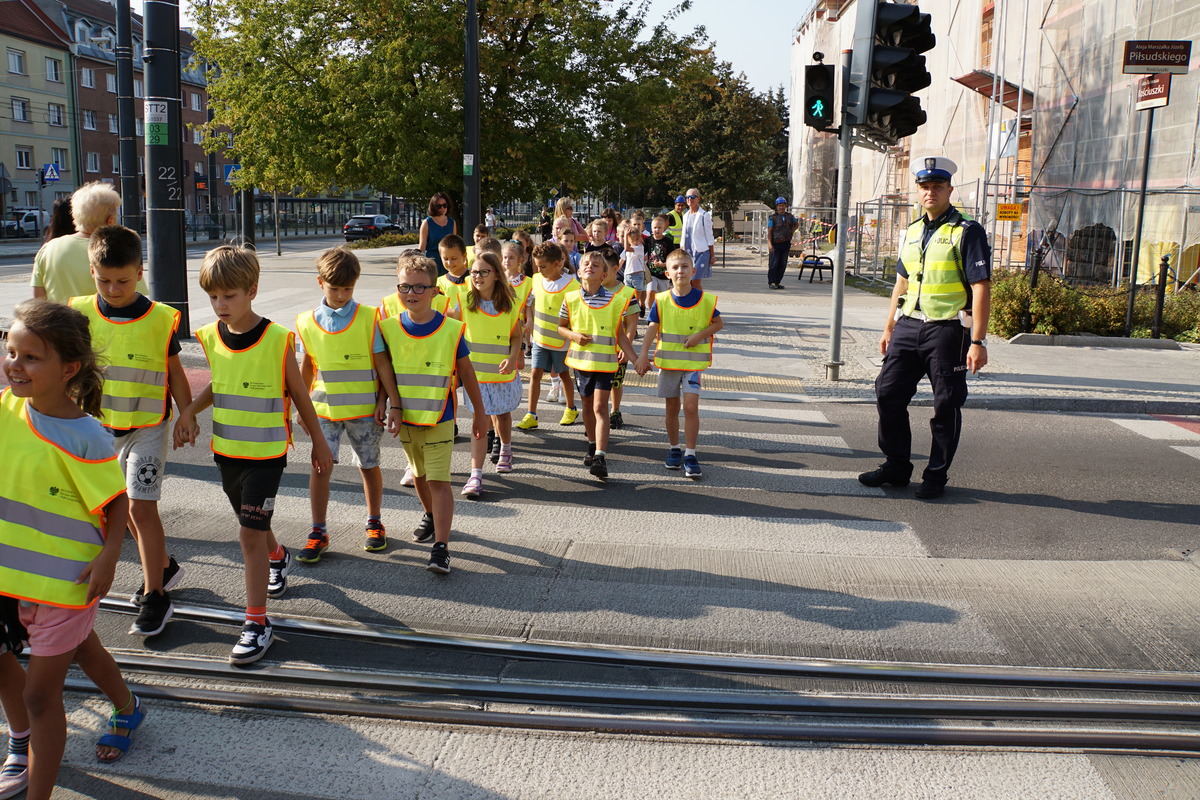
x: 934, y: 168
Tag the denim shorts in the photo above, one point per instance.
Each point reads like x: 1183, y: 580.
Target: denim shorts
x: 554, y: 361
x: 364, y: 434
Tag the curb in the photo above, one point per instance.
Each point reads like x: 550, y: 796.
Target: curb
x: 1073, y: 340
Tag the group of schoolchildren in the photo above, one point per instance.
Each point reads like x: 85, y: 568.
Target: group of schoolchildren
x: 87, y: 411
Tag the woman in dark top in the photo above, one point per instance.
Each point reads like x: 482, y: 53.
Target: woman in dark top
x: 439, y: 224
x: 60, y: 220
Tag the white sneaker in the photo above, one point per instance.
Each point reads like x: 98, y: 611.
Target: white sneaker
x: 253, y: 643
x: 408, y: 479
x: 555, y: 391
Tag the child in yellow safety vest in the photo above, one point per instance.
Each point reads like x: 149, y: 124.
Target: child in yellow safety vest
x: 453, y: 251
x: 549, y: 352
x: 592, y: 319
x: 633, y: 311
x: 137, y: 338
x: 63, y: 516
x: 339, y: 338
x: 682, y: 323
x: 425, y: 350
x: 254, y: 380
x: 513, y: 257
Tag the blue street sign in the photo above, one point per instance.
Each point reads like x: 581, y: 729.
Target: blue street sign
x: 50, y: 173
x: 230, y: 169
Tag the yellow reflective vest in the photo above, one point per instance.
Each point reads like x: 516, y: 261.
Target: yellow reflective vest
x: 936, y: 281
x: 490, y: 338
x: 344, y: 383
x: 251, y: 410
x: 546, y: 305
x: 391, y: 306
x: 675, y: 325
x: 676, y: 227
x: 602, y: 324
x: 455, y: 293
x: 51, y: 520
x: 522, y: 290
x: 424, y: 367
x: 134, y: 353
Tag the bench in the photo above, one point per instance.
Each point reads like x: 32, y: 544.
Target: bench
x: 816, y: 266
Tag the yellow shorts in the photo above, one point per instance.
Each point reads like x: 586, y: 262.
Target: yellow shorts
x: 428, y: 449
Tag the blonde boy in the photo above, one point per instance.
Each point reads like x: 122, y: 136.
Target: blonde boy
x: 425, y: 351
x: 682, y: 323
x: 138, y: 339
x: 254, y: 380
x: 549, y: 348
x: 339, y: 338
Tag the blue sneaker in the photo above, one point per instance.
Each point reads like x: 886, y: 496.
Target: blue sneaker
x: 691, y: 467
x: 674, y: 458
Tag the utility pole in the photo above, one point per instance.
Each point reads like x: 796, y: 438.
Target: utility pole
x: 164, y: 160
x: 131, y: 190
x: 845, y: 147
x: 471, y: 192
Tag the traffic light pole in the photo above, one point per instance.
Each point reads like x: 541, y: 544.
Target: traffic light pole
x: 845, y: 146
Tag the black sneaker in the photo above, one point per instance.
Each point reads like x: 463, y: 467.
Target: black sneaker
x: 599, y: 467
x: 424, y: 532
x: 156, y: 609
x: 615, y: 420
x: 928, y: 489
x: 253, y: 643
x: 886, y: 473
x: 591, y: 454
x: 439, y: 559
x: 277, y: 578
x: 493, y: 446
x: 172, y: 573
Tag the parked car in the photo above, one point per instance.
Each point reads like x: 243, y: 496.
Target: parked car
x: 25, y: 222
x: 368, y: 226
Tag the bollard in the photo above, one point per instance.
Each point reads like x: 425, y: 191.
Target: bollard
x: 1160, y: 296
x: 1035, y: 268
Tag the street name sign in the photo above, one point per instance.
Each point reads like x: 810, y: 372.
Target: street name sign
x: 1153, y: 91
x: 1149, y: 56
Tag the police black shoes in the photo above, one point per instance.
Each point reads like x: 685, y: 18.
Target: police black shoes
x: 928, y: 489
x: 886, y: 473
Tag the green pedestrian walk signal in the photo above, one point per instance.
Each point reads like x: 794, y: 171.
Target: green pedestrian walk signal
x: 818, y: 96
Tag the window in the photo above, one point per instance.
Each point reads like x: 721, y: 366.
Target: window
x: 54, y: 70
x: 199, y: 169
x: 31, y: 199
x: 20, y: 109
x: 138, y: 127
x: 87, y: 77
x: 197, y: 102
x: 116, y: 164
x: 89, y: 120
x: 113, y: 126
x: 16, y: 62
x: 110, y: 79
x: 57, y: 115
x: 141, y: 165
x: 61, y: 195
x: 197, y: 136
x: 137, y: 87
x: 24, y: 158
x: 93, y: 162
x: 58, y: 155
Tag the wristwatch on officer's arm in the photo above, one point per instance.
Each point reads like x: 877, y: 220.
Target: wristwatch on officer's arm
x: 980, y: 342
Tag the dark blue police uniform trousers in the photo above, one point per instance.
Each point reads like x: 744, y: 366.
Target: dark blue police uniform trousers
x: 937, y: 350
x: 777, y: 261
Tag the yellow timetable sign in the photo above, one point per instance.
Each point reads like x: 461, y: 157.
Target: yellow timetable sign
x: 1008, y: 212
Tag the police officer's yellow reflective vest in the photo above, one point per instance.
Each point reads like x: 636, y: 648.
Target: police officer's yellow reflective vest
x: 489, y: 336
x: 546, y: 305
x: 676, y: 227
x: 134, y: 353
x: 936, y: 281
x: 51, y: 525
x: 602, y: 324
x: 675, y: 325
x: 251, y: 410
x: 343, y: 384
x: 424, y: 366
x: 392, y: 306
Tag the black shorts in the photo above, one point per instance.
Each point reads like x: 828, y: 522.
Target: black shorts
x: 587, y: 383
x: 251, y: 487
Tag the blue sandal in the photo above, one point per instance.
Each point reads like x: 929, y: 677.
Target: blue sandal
x: 129, y: 722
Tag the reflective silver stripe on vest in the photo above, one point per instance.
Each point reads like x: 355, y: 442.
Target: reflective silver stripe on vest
x: 345, y: 375
x: 420, y: 379
x: 544, y: 317
x: 134, y: 375
x: 418, y: 404
x: 492, y: 349
x: 591, y: 355
x: 598, y: 339
x: 148, y: 405
x: 339, y: 400
x: 489, y: 369
x: 76, y: 530
x: 40, y: 564
x: 247, y: 433
x: 237, y: 402
x: 682, y: 355
x: 674, y: 338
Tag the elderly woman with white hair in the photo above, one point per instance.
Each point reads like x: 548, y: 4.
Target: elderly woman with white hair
x: 60, y: 269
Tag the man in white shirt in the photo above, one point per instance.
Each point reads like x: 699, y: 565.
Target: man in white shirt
x: 698, y: 239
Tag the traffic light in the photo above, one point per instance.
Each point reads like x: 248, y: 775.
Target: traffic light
x: 886, y: 68
x: 818, y: 96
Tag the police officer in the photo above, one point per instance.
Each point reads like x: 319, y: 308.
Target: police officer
x: 936, y: 326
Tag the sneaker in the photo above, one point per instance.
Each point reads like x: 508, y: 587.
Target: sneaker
x: 674, y: 458
x: 615, y: 420
x: 504, y: 464
x: 409, y: 479
x: 172, y: 573
x: 424, y: 532
x: 14, y: 775
x: 493, y: 446
x: 473, y: 488
x: 528, y: 422
x: 253, y: 643
x: 691, y: 467
x: 277, y: 578
x: 156, y: 609
x: 569, y: 416
x: 555, y: 392
x: 599, y: 467
x: 885, y: 473
x: 591, y: 454
x: 376, y: 537
x: 439, y: 559
x: 317, y: 542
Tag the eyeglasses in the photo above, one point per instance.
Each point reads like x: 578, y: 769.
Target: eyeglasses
x: 414, y: 288
x: 439, y: 205
x: 693, y: 197
x: 480, y: 273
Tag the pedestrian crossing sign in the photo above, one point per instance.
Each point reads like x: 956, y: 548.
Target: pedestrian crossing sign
x: 50, y: 173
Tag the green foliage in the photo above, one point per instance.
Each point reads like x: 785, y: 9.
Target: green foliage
x: 503, y: 232
x: 383, y: 240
